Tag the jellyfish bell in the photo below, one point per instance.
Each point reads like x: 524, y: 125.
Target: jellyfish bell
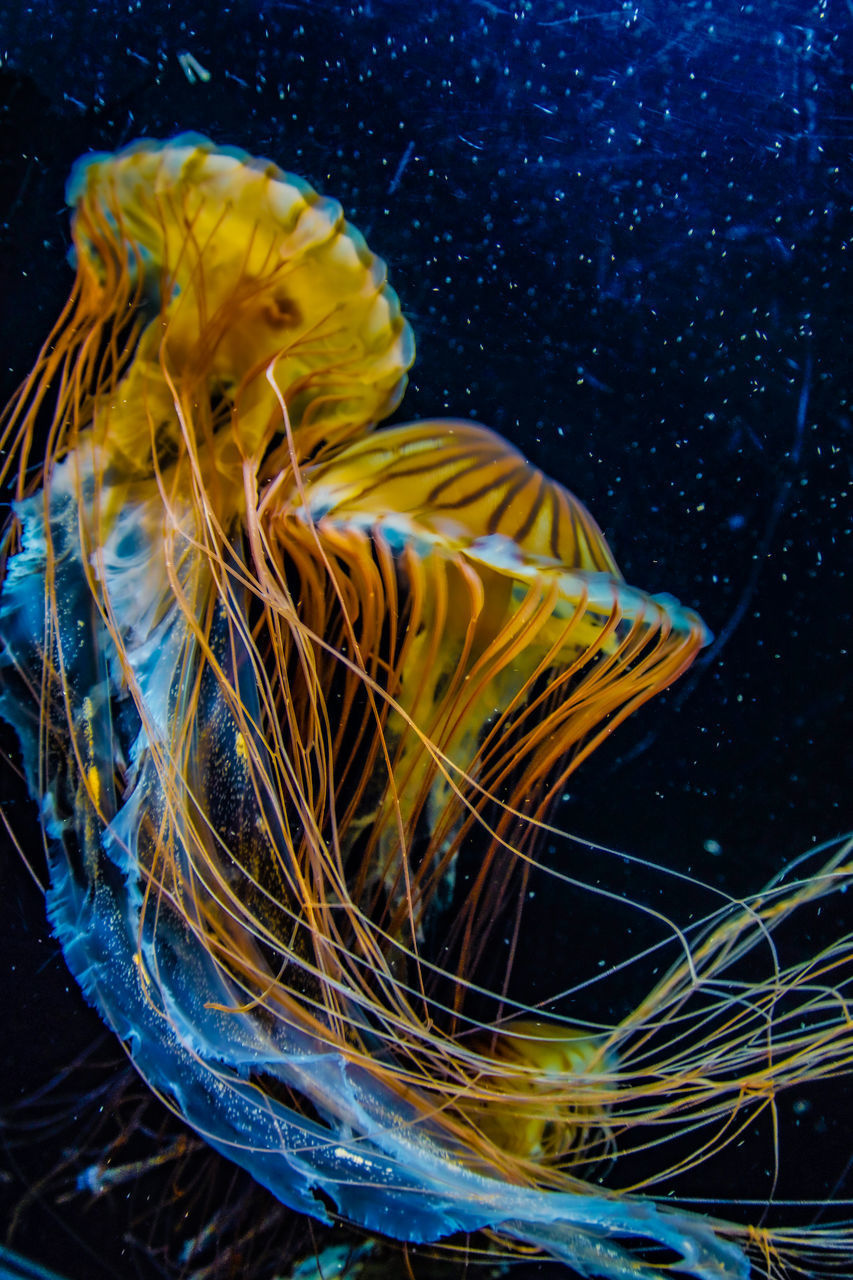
x: 283, y: 677
x: 238, y: 264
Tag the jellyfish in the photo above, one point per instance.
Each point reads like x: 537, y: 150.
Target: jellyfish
x: 297, y: 696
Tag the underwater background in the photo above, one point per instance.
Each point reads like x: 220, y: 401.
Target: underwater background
x: 622, y: 235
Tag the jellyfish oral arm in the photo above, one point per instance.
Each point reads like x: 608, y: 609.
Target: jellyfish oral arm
x: 377, y: 1158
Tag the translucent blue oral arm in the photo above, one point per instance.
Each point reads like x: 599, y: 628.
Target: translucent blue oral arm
x: 373, y: 1162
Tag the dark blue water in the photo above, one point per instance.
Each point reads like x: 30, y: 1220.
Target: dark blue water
x: 622, y: 234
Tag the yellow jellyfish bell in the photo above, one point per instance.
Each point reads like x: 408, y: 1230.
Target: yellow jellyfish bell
x: 277, y: 675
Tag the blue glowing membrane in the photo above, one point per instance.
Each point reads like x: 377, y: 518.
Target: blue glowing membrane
x: 266, y: 668
x: 373, y: 1155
